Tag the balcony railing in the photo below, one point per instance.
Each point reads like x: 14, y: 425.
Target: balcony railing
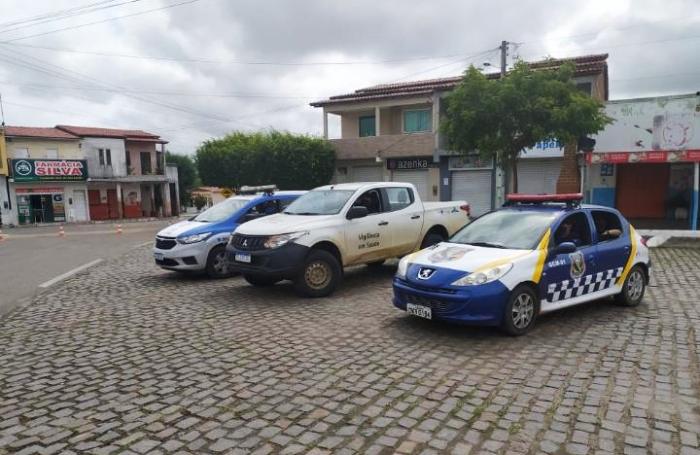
x: 390, y: 145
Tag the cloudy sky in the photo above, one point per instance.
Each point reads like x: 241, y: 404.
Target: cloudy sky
x: 191, y: 70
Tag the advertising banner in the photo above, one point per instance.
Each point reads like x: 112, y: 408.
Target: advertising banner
x: 653, y: 130
x: 31, y: 170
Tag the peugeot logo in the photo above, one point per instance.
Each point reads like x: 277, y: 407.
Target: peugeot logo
x: 245, y: 242
x: 425, y: 273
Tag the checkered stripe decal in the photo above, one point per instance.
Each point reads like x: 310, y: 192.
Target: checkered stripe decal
x: 583, y: 285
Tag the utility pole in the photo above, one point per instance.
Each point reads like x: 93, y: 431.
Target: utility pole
x: 504, y: 53
x: 500, y: 177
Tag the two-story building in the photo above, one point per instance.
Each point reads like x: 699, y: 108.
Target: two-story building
x: 391, y: 132
x: 127, y: 172
x: 47, y: 177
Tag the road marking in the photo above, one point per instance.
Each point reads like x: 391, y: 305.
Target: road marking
x: 150, y: 242
x: 69, y: 274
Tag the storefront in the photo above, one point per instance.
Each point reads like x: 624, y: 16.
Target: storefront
x: 471, y: 178
x: 646, y: 162
x: 539, y: 168
x: 48, y: 191
x: 422, y: 172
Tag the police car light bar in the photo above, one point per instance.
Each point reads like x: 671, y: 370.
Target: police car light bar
x: 267, y: 189
x: 567, y: 198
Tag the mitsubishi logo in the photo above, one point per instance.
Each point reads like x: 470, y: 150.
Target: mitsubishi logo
x: 425, y: 273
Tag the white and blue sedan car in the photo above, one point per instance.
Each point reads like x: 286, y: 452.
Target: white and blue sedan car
x: 538, y: 253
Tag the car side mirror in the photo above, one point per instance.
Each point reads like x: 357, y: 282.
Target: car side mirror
x: 565, y: 248
x: 358, y: 211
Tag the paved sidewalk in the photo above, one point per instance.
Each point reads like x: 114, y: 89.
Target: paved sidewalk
x: 129, y: 359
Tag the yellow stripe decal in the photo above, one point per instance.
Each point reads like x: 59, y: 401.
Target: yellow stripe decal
x: 630, y: 260
x: 543, y: 249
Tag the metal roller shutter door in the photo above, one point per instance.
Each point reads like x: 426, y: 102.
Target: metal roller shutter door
x: 473, y: 187
x: 367, y: 174
x: 420, y: 179
x: 538, y: 176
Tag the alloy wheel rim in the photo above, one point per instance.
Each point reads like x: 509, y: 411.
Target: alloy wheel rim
x: 523, y: 311
x: 635, y: 285
x: 220, y: 266
x: 317, y: 275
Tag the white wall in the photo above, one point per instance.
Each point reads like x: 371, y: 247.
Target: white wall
x: 90, y: 146
x: 8, y: 216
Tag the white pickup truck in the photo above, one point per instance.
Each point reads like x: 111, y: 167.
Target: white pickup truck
x: 335, y: 226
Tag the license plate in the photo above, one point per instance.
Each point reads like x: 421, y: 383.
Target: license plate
x: 158, y: 256
x: 242, y: 257
x: 419, y: 310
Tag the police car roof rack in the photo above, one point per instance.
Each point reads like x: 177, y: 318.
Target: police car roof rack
x: 264, y: 189
x: 571, y: 200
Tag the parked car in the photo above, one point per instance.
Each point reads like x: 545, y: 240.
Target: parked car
x: 336, y: 226
x: 199, y: 243
x: 537, y: 254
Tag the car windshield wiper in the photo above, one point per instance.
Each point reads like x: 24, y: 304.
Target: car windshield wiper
x: 302, y: 213
x: 487, y: 244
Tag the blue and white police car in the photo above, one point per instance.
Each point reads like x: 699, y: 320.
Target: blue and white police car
x: 199, y: 244
x: 537, y: 254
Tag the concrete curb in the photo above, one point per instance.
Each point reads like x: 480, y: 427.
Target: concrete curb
x: 661, y: 238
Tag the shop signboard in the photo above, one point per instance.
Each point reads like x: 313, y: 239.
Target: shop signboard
x: 33, y: 170
x: 544, y: 149
x: 407, y: 164
x: 652, y: 130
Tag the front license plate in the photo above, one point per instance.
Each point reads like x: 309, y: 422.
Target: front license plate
x: 242, y: 257
x: 158, y: 256
x: 419, y: 310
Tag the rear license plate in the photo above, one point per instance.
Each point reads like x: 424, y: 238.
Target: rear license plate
x: 242, y: 257
x: 419, y: 310
x: 158, y: 256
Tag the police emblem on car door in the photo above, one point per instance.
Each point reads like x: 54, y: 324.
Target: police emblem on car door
x: 578, y: 264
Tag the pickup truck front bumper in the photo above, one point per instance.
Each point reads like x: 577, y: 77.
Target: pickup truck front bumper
x: 284, y: 262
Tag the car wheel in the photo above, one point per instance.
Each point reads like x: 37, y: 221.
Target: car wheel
x: 633, y: 288
x: 376, y: 264
x: 320, y: 275
x: 431, y: 239
x: 260, y: 280
x: 521, y: 311
x: 217, y: 264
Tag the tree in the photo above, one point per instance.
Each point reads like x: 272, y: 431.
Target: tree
x: 199, y: 201
x: 500, y: 118
x: 186, y: 175
x: 287, y: 160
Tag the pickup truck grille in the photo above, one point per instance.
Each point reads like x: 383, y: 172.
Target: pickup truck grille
x: 247, y: 242
x: 165, y: 243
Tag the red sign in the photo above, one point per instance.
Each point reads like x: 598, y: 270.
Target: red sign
x: 680, y: 156
x: 58, y: 168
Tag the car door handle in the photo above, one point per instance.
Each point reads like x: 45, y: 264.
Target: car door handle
x: 415, y: 217
x: 383, y: 223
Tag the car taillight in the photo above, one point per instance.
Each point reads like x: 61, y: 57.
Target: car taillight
x: 466, y: 208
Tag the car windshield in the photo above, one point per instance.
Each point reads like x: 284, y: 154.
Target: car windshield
x: 222, y: 211
x: 320, y: 202
x: 512, y: 229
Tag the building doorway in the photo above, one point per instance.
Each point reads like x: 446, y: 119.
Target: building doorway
x: 642, y: 190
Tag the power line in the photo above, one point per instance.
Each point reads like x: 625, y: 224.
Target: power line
x: 51, y: 14
x: 187, y: 2
x: 99, y: 6
x: 236, y: 62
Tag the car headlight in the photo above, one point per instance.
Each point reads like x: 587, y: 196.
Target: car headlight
x: 276, y: 241
x: 484, y: 276
x: 194, y: 238
x: 403, y: 266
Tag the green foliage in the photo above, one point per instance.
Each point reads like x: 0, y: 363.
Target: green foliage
x: 287, y: 160
x: 186, y: 175
x: 499, y: 118
x: 199, y: 201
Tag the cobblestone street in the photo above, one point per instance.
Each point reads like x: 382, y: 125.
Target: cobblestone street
x: 126, y: 358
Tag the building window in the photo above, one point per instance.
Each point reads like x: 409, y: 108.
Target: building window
x: 585, y: 87
x: 52, y: 153
x: 368, y: 126
x: 21, y: 153
x: 128, y: 159
x: 108, y: 157
x: 101, y: 153
x: 415, y: 121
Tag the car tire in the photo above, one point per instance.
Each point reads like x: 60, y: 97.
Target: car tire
x: 320, y: 275
x: 261, y: 280
x: 376, y: 264
x: 521, y: 311
x: 430, y: 239
x: 217, y: 263
x: 632, y: 288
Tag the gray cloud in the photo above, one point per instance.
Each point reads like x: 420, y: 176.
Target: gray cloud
x: 317, y: 30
